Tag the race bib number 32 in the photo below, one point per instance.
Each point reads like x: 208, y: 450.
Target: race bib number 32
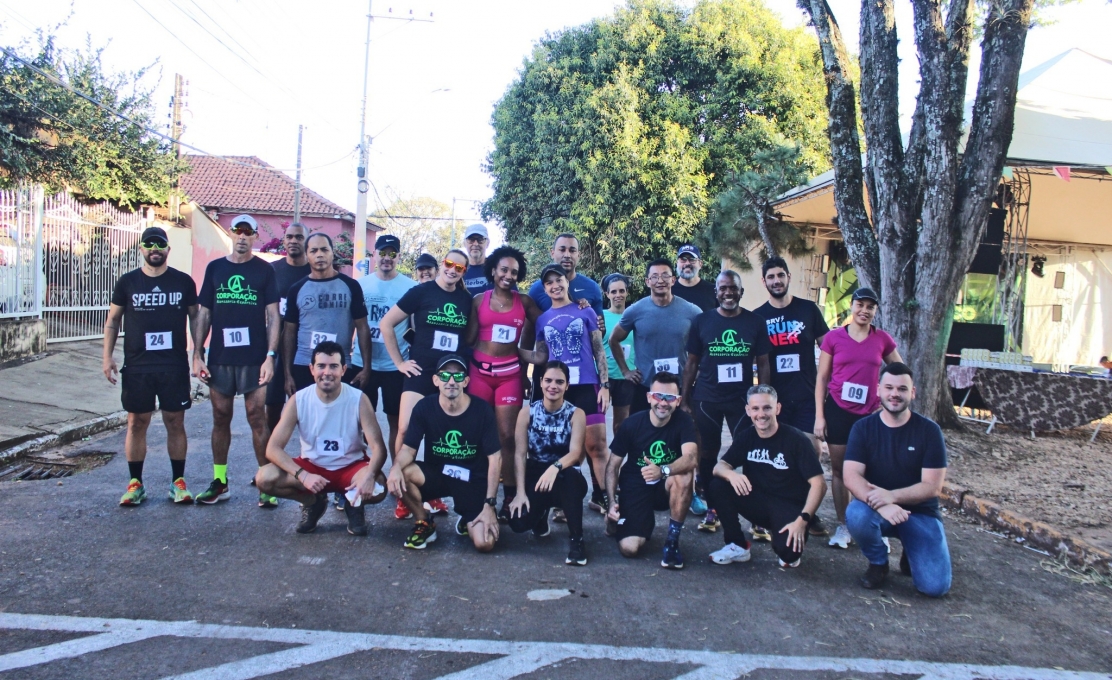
x: 670, y: 365
x: 445, y: 342
x: 160, y: 341
x: 852, y: 392
x: 787, y: 363
x: 317, y: 337
x: 237, y: 337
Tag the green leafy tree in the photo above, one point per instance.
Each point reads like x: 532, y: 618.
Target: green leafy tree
x: 624, y: 129
x: 423, y: 225
x: 52, y: 136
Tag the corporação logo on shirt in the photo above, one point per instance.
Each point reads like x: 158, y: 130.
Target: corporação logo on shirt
x: 447, y: 315
x: 453, y: 445
x: 658, y: 454
x: 235, y: 291
x: 729, y: 345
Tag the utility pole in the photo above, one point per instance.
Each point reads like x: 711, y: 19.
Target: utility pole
x: 297, y: 182
x: 176, y: 129
x: 362, y: 184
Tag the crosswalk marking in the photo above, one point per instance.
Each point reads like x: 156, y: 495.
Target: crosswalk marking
x: 516, y: 658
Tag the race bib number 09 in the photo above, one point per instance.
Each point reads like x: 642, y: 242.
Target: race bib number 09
x: 457, y: 472
x: 670, y: 365
x: 237, y: 337
x: 852, y: 392
x: 160, y: 341
x: 317, y: 337
x: 787, y: 363
x: 501, y: 333
x: 445, y: 342
x: 730, y: 373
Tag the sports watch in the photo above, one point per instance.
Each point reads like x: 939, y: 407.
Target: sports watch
x: 492, y: 502
x: 558, y: 465
x: 665, y: 471
x: 806, y: 516
x: 272, y: 353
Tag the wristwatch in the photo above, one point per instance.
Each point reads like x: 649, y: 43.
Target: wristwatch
x: 806, y: 516
x: 665, y: 471
x: 272, y: 353
x: 606, y: 385
x: 558, y: 465
x: 491, y: 502
x: 297, y: 475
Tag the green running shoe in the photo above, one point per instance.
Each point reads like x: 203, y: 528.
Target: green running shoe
x: 267, y: 501
x: 179, y: 493
x: 217, y: 491
x: 135, y: 493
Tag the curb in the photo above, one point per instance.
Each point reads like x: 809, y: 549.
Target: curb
x: 1035, y: 533
x: 67, y: 435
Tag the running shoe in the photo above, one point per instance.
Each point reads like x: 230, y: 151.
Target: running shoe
x: 761, y: 535
x: 698, y: 505
x: 841, y: 538
x: 402, y: 512
x: 339, y: 501
x: 217, y: 491
x: 789, y: 565
x: 600, y: 504
x: 544, y: 526
x: 179, y: 493
x: 710, y: 522
x: 267, y: 501
x: 816, y: 527
x: 423, y: 534
x: 311, y: 514
x: 672, y: 557
x: 461, y: 528
x: 577, y: 556
x: 357, y: 519
x: 558, y: 516
x: 887, y: 544
x: 732, y: 552
x: 436, y: 506
x: 135, y: 493
x: 874, y: 576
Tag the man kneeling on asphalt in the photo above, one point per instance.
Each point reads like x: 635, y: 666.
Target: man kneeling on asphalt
x: 333, y: 418
x: 772, y: 477
x: 895, y: 465
x: 658, y: 445
x: 463, y: 459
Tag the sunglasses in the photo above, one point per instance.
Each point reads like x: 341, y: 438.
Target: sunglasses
x: 460, y: 268
x: 243, y: 231
x: 447, y: 376
x: 388, y: 254
x: 155, y: 245
x: 664, y: 396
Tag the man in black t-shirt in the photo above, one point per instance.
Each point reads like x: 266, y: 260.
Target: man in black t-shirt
x: 287, y: 271
x: 463, y: 459
x: 772, y: 477
x: 154, y: 301
x: 239, y: 301
x: 689, y: 286
x: 895, y: 467
x: 660, y: 455
x: 721, y: 348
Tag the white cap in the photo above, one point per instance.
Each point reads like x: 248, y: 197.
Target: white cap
x: 245, y: 219
x: 477, y: 228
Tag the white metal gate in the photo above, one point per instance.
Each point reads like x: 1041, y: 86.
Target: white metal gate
x: 20, y: 252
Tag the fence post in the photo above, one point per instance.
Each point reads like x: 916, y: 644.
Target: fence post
x: 38, y: 210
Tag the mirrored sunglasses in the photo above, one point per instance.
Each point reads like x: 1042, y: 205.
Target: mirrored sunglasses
x: 664, y: 396
x: 447, y: 376
x: 155, y: 245
x: 461, y: 268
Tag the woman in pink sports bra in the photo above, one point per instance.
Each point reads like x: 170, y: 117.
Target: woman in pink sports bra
x: 500, y: 319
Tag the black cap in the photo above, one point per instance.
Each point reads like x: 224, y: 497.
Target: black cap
x: 866, y: 294
x: 388, y: 241
x: 154, y: 234
x: 425, y: 260
x: 553, y: 267
x: 450, y: 359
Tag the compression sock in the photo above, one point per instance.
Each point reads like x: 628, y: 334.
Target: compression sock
x: 135, y: 470
x: 177, y: 468
x: 674, y: 528
x: 220, y: 472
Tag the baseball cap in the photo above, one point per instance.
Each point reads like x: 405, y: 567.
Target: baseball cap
x: 476, y: 229
x: 425, y: 260
x: 449, y: 359
x: 689, y: 249
x: 611, y: 278
x: 388, y: 241
x: 553, y: 267
x: 866, y: 294
x: 154, y: 234
x: 245, y: 219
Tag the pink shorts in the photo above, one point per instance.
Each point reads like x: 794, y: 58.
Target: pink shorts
x: 495, y: 380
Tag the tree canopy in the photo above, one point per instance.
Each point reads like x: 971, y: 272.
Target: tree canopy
x: 50, y: 135
x: 624, y: 130
x: 423, y: 225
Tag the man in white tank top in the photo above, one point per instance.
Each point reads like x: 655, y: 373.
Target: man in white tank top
x: 333, y: 419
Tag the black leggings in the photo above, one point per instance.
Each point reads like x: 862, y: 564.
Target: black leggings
x: 708, y: 420
x: 760, y: 509
x: 567, y: 493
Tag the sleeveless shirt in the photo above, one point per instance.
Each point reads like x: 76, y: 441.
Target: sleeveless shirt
x: 501, y: 326
x: 330, y: 433
x: 549, y: 433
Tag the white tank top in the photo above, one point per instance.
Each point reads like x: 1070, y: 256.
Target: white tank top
x: 330, y: 434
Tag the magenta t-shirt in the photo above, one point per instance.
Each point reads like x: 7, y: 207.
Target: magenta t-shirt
x: 856, y: 368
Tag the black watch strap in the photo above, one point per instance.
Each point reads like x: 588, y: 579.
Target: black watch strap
x: 558, y: 465
x: 491, y: 502
x: 806, y: 516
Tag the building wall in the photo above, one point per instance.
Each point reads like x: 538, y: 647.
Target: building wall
x: 270, y: 226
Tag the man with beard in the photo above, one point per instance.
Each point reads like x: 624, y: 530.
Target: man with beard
x: 688, y: 285
x: 895, y: 466
x: 154, y: 302
x: 287, y: 271
x: 565, y: 252
x: 476, y: 239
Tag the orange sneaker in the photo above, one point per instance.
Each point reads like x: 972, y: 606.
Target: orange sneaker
x: 402, y: 512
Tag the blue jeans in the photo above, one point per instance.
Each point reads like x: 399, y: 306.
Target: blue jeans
x: 923, y: 538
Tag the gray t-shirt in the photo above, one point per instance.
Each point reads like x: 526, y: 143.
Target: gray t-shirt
x: 324, y: 309
x: 660, y: 334
x: 380, y: 296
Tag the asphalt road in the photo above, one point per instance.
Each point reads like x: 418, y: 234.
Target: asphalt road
x: 111, y: 588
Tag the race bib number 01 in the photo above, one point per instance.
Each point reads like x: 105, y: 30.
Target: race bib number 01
x: 730, y: 373
x: 376, y: 334
x: 237, y: 337
x: 787, y: 363
x: 160, y: 341
x: 670, y: 365
x: 501, y: 333
x: 445, y: 342
x: 317, y: 337
x: 573, y: 375
x: 457, y: 472
x: 852, y: 392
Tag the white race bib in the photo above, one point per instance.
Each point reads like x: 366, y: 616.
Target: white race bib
x: 457, y: 472
x: 445, y: 342
x: 376, y: 334
x: 500, y: 333
x: 573, y: 377
x: 159, y: 341
x: 852, y: 392
x: 282, y: 307
x: 787, y: 363
x: 730, y: 373
x: 670, y: 365
x: 237, y: 337
x: 317, y: 337
x: 626, y: 349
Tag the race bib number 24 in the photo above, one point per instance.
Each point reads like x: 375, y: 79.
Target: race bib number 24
x: 160, y: 341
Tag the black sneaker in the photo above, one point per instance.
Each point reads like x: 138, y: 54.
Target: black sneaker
x: 816, y: 527
x: 311, y: 514
x: 357, y: 520
x: 672, y: 557
x: 905, y: 564
x: 424, y: 532
x: 339, y: 500
x: 461, y: 528
x: 874, y: 576
x: 504, y: 513
x: 576, y: 555
x: 543, y: 527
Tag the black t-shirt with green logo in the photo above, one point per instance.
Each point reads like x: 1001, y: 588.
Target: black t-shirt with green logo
x: 727, y: 346
x: 237, y: 294
x: 440, y: 320
x: 457, y: 446
x: 780, y: 465
x: 638, y: 438
x: 155, y: 312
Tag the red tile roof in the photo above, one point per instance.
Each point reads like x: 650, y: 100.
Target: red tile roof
x: 248, y: 184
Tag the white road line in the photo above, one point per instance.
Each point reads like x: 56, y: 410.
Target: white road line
x: 508, y: 666
x: 275, y: 662
x: 68, y: 649
x: 524, y: 653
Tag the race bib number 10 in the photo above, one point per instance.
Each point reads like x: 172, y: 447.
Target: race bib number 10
x: 160, y: 341
x: 787, y: 363
x: 445, y: 342
x: 237, y: 337
x: 852, y: 392
x: 670, y: 365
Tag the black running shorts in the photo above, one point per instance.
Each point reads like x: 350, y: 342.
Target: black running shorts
x: 172, y: 389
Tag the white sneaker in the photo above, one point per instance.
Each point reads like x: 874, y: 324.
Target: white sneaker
x: 841, y: 538
x: 731, y: 553
x: 791, y: 565
x: 887, y: 544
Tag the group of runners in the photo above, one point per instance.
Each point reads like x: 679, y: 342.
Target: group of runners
x: 449, y: 355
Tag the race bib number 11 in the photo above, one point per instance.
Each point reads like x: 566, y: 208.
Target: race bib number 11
x: 730, y: 373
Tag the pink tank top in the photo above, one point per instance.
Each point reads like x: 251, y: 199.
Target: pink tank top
x: 502, y: 327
